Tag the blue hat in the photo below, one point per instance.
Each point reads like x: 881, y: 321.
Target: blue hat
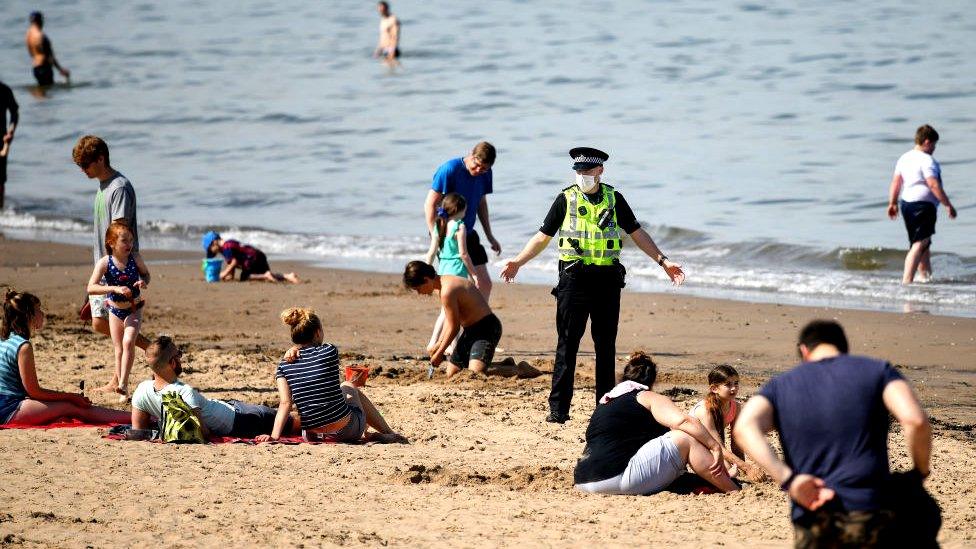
x: 208, y: 239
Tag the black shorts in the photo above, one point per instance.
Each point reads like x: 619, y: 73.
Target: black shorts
x: 251, y: 420
x: 919, y: 219
x: 44, y: 75
x: 3, y: 170
x: 475, y: 249
x: 257, y: 267
x: 478, y: 342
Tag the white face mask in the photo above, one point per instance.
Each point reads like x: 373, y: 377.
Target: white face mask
x: 586, y: 183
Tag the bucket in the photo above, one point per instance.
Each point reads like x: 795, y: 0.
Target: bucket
x: 211, y: 269
x: 357, y: 375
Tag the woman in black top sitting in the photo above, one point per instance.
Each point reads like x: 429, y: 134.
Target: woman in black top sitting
x: 639, y: 442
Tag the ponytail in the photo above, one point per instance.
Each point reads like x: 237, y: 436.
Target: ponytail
x: 18, y: 310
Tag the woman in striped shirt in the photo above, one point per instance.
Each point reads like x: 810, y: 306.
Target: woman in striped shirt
x: 329, y: 410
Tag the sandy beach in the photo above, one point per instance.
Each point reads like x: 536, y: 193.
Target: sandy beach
x: 482, y: 467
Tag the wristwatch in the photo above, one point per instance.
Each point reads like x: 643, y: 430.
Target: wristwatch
x: 661, y: 261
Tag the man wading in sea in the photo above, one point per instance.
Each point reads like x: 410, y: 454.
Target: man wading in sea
x: 41, y: 52
x: 388, y: 47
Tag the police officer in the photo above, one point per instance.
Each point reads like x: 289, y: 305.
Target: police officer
x: 590, y: 217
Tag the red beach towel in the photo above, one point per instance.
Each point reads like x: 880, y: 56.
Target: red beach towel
x: 59, y: 423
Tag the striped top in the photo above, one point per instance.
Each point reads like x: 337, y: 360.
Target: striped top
x: 314, y: 382
x: 10, y: 383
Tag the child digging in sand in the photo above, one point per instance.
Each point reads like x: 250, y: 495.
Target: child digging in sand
x: 719, y: 410
x: 251, y: 261
x: 22, y: 399
x: 125, y: 277
x: 329, y: 410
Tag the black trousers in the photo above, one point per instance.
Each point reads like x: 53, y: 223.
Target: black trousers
x: 593, y: 295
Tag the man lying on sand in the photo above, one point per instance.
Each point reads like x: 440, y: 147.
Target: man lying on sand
x: 464, y: 306
x: 217, y: 417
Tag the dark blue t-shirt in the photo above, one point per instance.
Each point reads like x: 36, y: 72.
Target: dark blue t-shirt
x: 833, y: 424
x: 453, y: 177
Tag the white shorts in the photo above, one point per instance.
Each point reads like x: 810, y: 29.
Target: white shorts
x: 653, y: 468
x: 99, y: 309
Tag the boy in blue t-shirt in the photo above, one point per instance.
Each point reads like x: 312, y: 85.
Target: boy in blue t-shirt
x: 470, y: 177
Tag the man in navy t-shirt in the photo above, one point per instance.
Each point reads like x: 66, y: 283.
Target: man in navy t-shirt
x: 470, y: 177
x: 831, y: 413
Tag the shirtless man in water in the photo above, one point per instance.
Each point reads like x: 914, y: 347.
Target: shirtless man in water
x: 464, y: 306
x: 41, y: 52
x: 389, y: 44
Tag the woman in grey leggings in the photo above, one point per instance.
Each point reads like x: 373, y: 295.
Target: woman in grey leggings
x: 638, y: 442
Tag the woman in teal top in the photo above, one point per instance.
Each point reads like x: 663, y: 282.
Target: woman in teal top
x: 22, y: 399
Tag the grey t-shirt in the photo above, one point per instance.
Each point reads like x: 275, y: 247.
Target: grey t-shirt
x: 217, y: 415
x: 116, y: 199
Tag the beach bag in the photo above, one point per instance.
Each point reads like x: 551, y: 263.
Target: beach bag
x: 179, y: 423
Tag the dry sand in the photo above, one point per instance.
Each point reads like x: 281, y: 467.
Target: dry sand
x: 482, y: 469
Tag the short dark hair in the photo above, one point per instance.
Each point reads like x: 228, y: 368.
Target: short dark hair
x: 416, y: 273
x: 926, y: 133
x: 823, y: 331
x: 37, y: 18
x: 385, y: 5
x: 641, y: 369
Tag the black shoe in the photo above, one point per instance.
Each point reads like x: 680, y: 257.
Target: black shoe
x: 556, y: 417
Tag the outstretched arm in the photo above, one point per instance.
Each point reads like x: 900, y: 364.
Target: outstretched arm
x: 667, y: 414
x: 452, y: 326
x: 28, y: 376
x: 900, y: 400
x: 647, y: 245
x: 755, y: 420
x: 532, y: 248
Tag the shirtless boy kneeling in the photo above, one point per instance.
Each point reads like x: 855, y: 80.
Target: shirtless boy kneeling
x: 464, y: 306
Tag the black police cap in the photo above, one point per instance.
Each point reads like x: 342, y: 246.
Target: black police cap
x: 585, y: 158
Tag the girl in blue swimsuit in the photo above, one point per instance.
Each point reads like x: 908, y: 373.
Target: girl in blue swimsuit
x: 122, y: 275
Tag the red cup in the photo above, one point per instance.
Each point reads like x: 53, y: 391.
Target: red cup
x: 357, y: 375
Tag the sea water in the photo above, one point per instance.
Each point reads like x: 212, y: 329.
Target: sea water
x: 754, y: 140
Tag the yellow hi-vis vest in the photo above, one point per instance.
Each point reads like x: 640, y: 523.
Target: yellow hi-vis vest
x: 580, y: 236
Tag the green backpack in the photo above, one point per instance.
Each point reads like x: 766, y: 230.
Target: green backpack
x: 179, y: 423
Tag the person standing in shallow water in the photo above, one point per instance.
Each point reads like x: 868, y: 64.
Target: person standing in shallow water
x: 590, y: 217
x: 388, y: 47
x: 916, y: 188
x: 41, y: 52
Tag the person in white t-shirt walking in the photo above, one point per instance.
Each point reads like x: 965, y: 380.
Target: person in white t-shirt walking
x: 917, y: 187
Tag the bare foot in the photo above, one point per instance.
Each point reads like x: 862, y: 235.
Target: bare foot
x: 451, y: 370
x: 123, y: 394
x: 292, y: 277
x: 389, y: 438
x: 107, y: 388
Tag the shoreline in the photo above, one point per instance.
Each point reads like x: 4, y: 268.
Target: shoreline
x: 482, y: 466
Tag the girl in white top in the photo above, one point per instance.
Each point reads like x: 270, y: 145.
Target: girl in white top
x: 719, y: 410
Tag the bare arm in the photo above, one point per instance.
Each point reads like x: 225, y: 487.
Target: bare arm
x: 647, y: 245
x: 755, y: 420
x: 394, y: 35
x: 702, y: 415
x: 893, y: 192
x: 532, y: 248
x: 28, y: 376
x: 143, y: 270
x: 284, y: 409
x: 430, y: 209
x: 486, y: 225
x: 900, y: 400
x: 228, y: 272
x: 452, y: 326
x: 95, y: 287
x: 434, y: 248
x: 936, y: 186
x: 667, y: 414
x: 462, y: 240
x: 140, y: 419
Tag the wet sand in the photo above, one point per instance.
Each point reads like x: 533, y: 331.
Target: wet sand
x: 482, y: 468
